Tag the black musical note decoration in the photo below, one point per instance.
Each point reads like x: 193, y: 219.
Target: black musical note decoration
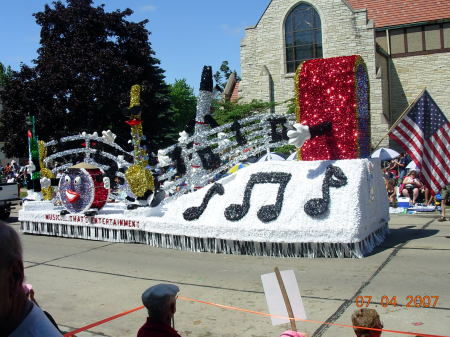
x: 209, y: 159
x: 175, y: 155
x: 318, y: 206
x: 240, y: 138
x: 276, y: 135
x: 193, y: 213
x: 266, y: 213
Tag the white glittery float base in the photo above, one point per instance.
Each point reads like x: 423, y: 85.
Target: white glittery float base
x: 354, y: 225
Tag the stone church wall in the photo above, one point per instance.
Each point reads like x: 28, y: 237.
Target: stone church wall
x: 344, y: 32
x: 409, y: 75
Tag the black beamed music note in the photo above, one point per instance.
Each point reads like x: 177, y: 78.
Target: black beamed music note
x: 266, y: 213
x: 318, y: 206
x: 209, y: 159
x: 240, y: 138
x: 193, y: 213
x: 276, y: 135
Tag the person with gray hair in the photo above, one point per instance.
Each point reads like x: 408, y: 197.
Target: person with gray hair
x: 19, y: 317
x: 160, y: 301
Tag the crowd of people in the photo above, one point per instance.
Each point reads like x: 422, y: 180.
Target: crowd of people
x: 408, y: 183
x: 21, y: 316
x: 12, y: 172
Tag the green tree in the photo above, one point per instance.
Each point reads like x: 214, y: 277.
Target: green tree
x: 223, y: 74
x: 225, y: 111
x: 5, y: 74
x: 87, y: 61
x: 184, y: 104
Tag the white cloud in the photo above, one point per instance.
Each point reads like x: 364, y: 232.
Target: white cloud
x: 232, y: 30
x: 147, y: 8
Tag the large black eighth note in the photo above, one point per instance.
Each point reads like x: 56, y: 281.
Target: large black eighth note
x: 193, y: 213
x: 266, y: 213
x: 334, y: 177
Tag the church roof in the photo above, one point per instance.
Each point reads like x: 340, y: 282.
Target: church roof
x: 387, y: 13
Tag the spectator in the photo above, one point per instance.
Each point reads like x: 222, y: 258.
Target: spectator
x: 160, y: 301
x: 14, y: 166
x: 366, y: 318
x: 445, y: 195
x: 391, y: 190
x: 402, y: 161
x: 411, y: 186
x: 7, y: 169
x: 19, y: 317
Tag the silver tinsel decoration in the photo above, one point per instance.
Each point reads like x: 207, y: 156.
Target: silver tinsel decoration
x: 88, y: 153
x: 257, y: 131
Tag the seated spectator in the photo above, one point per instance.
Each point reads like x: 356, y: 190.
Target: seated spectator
x: 391, y: 190
x: 411, y: 186
x: 393, y: 169
x: 366, y: 318
x: 19, y: 317
x: 160, y: 301
x: 427, y: 196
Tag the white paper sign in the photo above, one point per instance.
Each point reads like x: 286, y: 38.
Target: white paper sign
x: 274, y: 298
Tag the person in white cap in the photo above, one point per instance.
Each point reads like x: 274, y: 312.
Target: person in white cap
x: 160, y: 301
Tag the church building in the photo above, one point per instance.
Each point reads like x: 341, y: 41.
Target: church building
x: 404, y: 43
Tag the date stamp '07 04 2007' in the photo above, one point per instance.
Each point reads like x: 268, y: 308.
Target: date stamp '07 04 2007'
x: 412, y: 301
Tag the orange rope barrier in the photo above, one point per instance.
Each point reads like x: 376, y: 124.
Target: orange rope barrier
x: 229, y: 307
x: 70, y: 334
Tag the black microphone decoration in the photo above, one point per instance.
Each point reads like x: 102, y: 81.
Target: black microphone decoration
x: 318, y: 206
x: 193, y: 213
x: 266, y: 213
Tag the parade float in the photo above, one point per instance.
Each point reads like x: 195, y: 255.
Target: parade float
x: 330, y: 202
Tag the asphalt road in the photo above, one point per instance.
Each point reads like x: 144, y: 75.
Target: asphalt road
x: 80, y: 282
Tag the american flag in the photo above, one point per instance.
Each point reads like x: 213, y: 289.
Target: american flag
x: 424, y: 133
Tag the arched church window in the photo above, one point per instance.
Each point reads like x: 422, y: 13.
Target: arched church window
x: 303, y: 36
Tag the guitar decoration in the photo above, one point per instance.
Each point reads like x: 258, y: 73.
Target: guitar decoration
x: 318, y: 206
x: 266, y: 213
x: 193, y: 213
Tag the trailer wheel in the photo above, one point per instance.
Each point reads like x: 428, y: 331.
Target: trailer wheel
x: 4, y: 214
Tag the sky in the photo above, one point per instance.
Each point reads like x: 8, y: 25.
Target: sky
x: 185, y: 35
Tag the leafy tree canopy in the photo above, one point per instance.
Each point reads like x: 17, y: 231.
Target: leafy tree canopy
x: 80, y: 81
x: 5, y: 74
x: 223, y: 74
x: 226, y: 111
x: 184, y: 104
